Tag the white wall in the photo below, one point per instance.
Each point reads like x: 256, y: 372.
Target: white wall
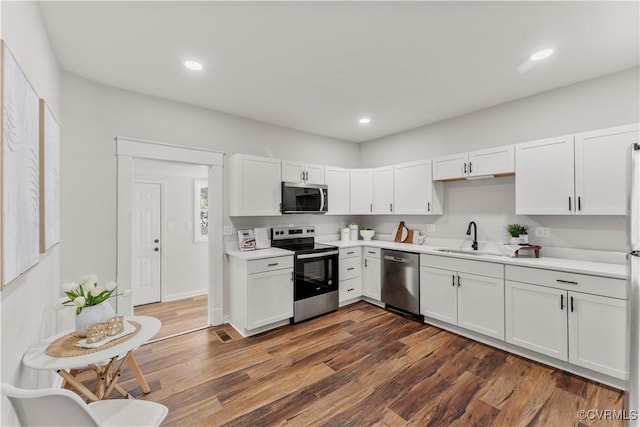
x: 604, y: 102
x: 186, y: 270
x: 27, y: 313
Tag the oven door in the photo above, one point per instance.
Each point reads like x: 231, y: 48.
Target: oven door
x: 303, y: 198
x: 316, y: 274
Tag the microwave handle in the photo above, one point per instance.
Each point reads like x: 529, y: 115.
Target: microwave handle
x: 321, y: 199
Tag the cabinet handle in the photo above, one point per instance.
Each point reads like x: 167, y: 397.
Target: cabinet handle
x: 292, y: 277
x: 572, y: 304
x: 351, y: 268
x: 371, y: 207
x: 469, y: 167
x: 371, y: 252
x: 579, y: 204
x: 350, y: 253
x: 458, y: 280
x: 365, y: 263
x: 273, y: 264
x: 390, y: 207
x: 428, y: 206
x: 561, y: 302
x: 306, y: 176
x: 453, y: 280
x: 465, y: 167
x: 568, y: 282
x: 569, y: 203
x: 351, y: 289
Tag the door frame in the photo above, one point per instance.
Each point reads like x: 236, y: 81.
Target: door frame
x: 126, y: 150
x: 162, y: 183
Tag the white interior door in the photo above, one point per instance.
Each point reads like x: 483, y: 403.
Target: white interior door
x: 146, y: 244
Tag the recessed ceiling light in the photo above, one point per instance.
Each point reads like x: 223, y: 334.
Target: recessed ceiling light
x: 193, y: 65
x: 541, y: 54
x: 364, y: 120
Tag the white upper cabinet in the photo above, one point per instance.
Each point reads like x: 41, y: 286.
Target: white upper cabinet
x: 361, y: 185
x: 544, y: 177
x: 337, y: 181
x: 450, y: 167
x: 602, y: 160
x: 382, y: 188
x: 547, y: 183
x: 491, y: 161
x: 254, y: 186
x: 302, y: 172
x: 414, y: 191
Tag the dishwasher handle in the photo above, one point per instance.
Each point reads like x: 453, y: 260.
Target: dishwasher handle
x: 397, y: 259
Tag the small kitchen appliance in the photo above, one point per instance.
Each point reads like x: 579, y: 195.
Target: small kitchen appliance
x: 304, y: 198
x: 315, y: 270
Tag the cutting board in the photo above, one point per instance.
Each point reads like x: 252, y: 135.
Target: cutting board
x: 402, y: 234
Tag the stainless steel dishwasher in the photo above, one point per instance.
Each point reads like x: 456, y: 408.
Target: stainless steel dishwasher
x: 401, y: 281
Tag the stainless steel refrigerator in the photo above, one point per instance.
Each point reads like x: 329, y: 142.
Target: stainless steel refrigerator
x: 633, y: 394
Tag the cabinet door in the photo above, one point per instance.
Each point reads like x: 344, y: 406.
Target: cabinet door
x: 292, y: 171
x: 544, y: 177
x: 493, y: 161
x: 481, y: 304
x: 383, y: 190
x: 269, y: 297
x: 597, y: 333
x: 450, y: 167
x: 254, y: 186
x: 337, y: 180
x: 439, y: 294
x: 602, y: 168
x: 314, y: 174
x: 536, y: 318
x: 361, y: 186
x: 413, y: 188
x: 372, y: 272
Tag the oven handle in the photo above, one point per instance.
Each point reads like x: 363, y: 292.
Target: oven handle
x: 317, y: 255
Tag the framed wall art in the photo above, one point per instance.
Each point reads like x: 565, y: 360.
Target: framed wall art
x: 20, y: 230
x: 49, y: 179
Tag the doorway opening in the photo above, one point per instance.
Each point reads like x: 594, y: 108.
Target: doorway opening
x: 169, y: 235
x: 130, y: 151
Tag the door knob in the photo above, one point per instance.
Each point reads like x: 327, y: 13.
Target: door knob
x: 156, y: 241
x: 156, y: 249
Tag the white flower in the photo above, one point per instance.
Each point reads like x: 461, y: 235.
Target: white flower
x: 61, y: 301
x: 68, y: 286
x: 96, y: 291
x: 89, y: 279
x: 79, y: 302
x: 110, y: 286
x: 126, y: 293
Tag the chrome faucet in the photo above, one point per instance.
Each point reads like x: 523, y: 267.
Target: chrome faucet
x: 474, y: 245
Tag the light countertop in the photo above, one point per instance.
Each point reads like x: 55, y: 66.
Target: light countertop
x: 617, y: 271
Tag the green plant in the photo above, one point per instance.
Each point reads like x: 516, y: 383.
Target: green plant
x: 515, y: 230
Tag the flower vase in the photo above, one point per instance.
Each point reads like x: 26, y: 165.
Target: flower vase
x: 93, y: 314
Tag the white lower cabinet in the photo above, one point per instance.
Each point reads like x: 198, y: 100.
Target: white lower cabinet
x: 372, y: 274
x: 260, y: 293
x: 468, y: 300
x: 584, y: 329
x: 350, y: 288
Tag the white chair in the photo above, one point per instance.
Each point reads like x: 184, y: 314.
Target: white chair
x: 61, y: 407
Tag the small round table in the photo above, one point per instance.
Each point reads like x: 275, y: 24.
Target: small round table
x: 107, y: 374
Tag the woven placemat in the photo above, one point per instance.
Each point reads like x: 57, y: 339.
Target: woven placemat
x: 65, y: 346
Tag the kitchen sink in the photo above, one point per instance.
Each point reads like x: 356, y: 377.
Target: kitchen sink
x: 468, y: 252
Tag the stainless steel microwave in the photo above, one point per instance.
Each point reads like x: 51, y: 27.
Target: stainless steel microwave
x: 303, y: 198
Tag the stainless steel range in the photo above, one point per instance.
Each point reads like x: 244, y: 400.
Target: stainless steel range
x: 315, y: 268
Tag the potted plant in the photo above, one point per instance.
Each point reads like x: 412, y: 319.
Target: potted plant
x: 514, y: 231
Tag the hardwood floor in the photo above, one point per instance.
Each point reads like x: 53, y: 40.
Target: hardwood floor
x: 359, y: 366
x: 177, y: 316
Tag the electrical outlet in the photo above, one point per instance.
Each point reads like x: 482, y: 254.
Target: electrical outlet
x: 227, y: 230
x: 543, y: 232
x: 431, y: 228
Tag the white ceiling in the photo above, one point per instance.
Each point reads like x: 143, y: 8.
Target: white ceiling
x: 319, y: 66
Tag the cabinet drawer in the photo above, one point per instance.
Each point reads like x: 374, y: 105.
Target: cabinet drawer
x: 350, y: 288
x: 350, y: 252
x: 350, y: 268
x: 481, y: 268
x: 268, y: 264
x: 372, y: 252
x: 598, y: 285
